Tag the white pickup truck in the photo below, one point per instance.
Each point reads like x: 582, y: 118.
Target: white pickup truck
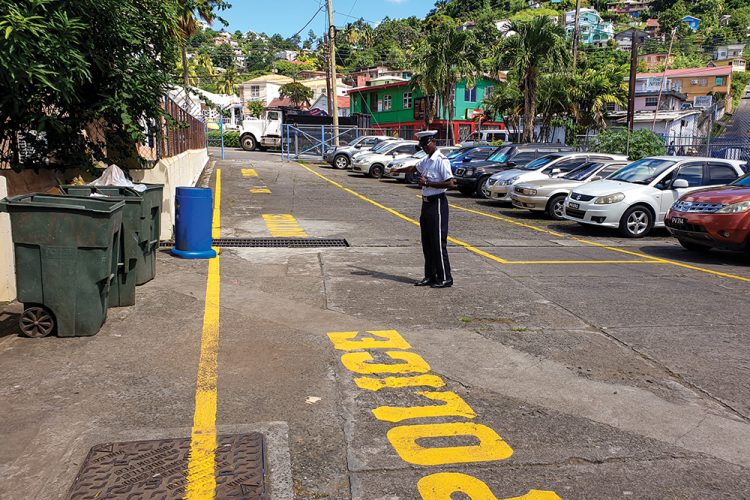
x: 263, y: 132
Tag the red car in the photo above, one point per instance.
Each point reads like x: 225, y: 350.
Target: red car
x: 717, y: 217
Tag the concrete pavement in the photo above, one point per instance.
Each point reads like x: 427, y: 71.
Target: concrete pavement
x: 607, y: 368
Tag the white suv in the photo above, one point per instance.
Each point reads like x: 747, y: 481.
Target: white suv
x: 373, y: 164
x: 636, y: 197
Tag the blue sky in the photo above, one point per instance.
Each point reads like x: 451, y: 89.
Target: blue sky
x: 288, y: 16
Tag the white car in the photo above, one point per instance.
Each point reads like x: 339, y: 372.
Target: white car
x: 635, y: 198
x: 375, y: 149
x: 411, y: 161
x: 373, y: 164
x: 341, y: 156
x: 500, y: 185
x: 548, y: 195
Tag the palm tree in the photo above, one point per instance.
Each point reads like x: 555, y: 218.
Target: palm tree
x: 507, y: 101
x: 228, y: 80
x: 554, y: 101
x: 529, y: 48
x: 592, y: 90
x: 447, y: 56
x: 188, y: 25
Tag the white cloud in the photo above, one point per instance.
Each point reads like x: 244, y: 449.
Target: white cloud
x: 397, y: 1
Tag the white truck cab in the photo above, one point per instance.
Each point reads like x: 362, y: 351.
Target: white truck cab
x: 263, y: 132
x: 482, y: 137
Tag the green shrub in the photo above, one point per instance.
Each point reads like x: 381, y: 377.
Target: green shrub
x: 231, y: 138
x: 642, y: 143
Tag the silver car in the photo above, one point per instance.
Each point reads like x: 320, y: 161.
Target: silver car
x: 373, y: 163
x: 548, y: 195
x: 341, y: 156
x: 410, y: 161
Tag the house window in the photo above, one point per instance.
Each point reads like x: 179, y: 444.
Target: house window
x: 719, y: 81
x: 407, y: 100
x: 254, y: 91
x: 610, y: 106
x: 387, y: 103
x: 651, y: 102
x: 470, y: 94
x: 488, y: 92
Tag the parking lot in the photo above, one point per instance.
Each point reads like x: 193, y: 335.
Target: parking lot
x: 566, y: 361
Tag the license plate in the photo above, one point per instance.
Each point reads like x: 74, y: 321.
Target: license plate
x: 574, y: 205
x: 678, y: 221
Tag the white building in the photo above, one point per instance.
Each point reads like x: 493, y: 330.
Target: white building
x: 263, y: 88
x: 286, y: 55
x: 319, y: 87
x: 677, y: 127
x: 343, y: 102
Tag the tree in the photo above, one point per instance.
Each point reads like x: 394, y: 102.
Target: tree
x: 447, y: 56
x: 529, y: 48
x: 68, y: 66
x: 255, y: 108
x: 297, y: 93
x: 640, y: 144
x: 228, y: 81
x: 188, y: 26
x: 507, y: 101
x: 223, y: 56
x: 591, y: 91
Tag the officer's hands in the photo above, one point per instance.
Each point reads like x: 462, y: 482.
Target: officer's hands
x: 423, y: 181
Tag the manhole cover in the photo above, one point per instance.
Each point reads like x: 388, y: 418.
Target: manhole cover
x: 157, y: 469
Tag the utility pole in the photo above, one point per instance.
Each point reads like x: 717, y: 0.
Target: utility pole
x: 631, y: 83
x: 332, y: 65
x: 575, y: 34
x: 663, y: 78
x: 329, y: 95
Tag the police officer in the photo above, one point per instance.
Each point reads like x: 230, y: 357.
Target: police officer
x: 435, y: 179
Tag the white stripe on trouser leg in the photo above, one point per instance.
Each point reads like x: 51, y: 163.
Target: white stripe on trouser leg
x: 440, y: 240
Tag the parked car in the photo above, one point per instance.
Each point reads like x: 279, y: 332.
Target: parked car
x: 548, y: 195
x: 481, y: 137
x: 500, y: 185
x: 713, y: 218
x: 466, y: 155
x: 341, y: 156
x: 409, y: 161
x: 472, y: 178
x: 375, y: 149
x: 636, y: 198
x: 373, y: 164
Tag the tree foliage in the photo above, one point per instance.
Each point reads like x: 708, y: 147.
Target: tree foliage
x: 68, y: 66
x: 297, y: 93
x: 640, y: 144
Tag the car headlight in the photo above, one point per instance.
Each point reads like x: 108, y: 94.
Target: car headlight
x: 735, y: 208
x: 492, y: 181
x: 478, y: 170
x: 510, y: 181
x: 609, y: 199
x: 529, y: 192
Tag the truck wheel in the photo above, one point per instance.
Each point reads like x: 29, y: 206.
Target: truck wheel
x: 248, y: 142
x: 376, y: 171
x: 341, y: 162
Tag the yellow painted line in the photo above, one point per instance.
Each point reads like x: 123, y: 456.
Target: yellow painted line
x: 249, y: 172
x: 402, y: 216
x: 260, y: 190
x: 201, y: 475
x: 657, y: 260
x: 534, y: 262
x: 284, y: 225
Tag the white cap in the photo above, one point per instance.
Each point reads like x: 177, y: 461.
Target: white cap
x: 426, y: 133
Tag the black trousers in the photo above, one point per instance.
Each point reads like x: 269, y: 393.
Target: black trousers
x: 434, y: 223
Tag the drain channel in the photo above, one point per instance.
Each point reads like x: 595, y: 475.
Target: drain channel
x: 273, y: 243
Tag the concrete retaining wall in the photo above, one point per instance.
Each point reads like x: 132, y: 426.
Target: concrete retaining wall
x: 7, y: 262
x: 177, y: 171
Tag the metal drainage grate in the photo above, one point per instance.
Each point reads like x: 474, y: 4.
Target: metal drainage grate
x: 273, y: 243
x: 158, y: 469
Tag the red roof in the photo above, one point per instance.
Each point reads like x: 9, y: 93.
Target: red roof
x: 376, y: 87
x: 343, y: 102
x: 652, y: 23
x: 279, y: 103
x: 687, y: 72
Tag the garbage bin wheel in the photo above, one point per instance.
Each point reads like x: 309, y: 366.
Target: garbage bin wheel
x: 37, y: 322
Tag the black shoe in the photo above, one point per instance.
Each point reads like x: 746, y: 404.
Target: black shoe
x: 425, y: 282
x: 442, y: 284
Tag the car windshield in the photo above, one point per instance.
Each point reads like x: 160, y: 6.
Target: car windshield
x: 358, y: 140
x: 501, y: 155
x: 383, y: 146
x: 459, y: 152
x: 421, y: 154
x: 540, y: 163
x: 583, y: 172
x: 642, y: 171
x: 743, y: 181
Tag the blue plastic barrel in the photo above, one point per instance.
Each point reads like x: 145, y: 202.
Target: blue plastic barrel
x: 193, y: 221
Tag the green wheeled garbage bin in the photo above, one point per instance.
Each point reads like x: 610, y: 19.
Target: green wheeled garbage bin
x: 133, y: 237
x: 152, y: 203
x: 65, y: 261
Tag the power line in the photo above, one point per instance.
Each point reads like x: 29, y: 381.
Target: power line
x: 308, y: 22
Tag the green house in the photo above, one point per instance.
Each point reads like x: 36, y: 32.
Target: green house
x: 398, y: 106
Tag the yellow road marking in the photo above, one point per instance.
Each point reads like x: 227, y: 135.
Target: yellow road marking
x: 260, y: 190
x: 201, y: 476
x: 539, y: 262
x: 249, y: 172
x: 403, y: 217
x: 655, y: 260
x: 284, y: 225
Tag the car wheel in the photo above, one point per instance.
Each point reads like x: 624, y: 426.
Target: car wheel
x: 466, y: 191
x: 411, y: 178
x: 248, y: 143
x: 636, y: 222
x: 341, y: 162
x: 376, y: 171
x: 483, y: 190
x: 556, y: 207
x: 693, y: 247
